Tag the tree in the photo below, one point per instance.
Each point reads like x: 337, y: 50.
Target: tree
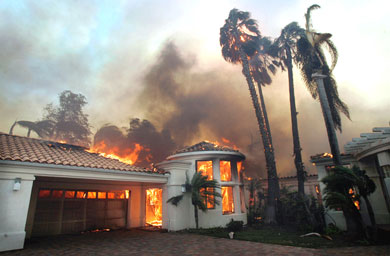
x: 71, y: 124
x: 284, y: 48
x: 318, y: 78
x: 242, y: 43
x: 343, y: 190
x: 202, y: 190
x: 366, y: 187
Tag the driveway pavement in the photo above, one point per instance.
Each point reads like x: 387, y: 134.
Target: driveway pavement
x: 138, y: 242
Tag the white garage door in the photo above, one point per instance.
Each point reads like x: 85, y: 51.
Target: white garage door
x: 72, y: 211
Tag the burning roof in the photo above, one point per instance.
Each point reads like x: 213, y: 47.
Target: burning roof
x: 17, y: 148
x: 205, y: 146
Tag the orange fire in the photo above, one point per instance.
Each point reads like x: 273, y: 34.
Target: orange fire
x: 206, y: 167
x: 226, y: 171
x: 154, y: 207
x: 227, y: 200
x: 327, y: 155
x: 128, y: 156
x: 355, y: 202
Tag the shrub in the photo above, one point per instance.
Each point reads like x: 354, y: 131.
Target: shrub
x: 234, y: 226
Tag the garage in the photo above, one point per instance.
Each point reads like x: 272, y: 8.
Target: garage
x: 61, y: 211
x: 50, y: 188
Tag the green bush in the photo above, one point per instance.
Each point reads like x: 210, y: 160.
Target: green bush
x: 234, y: 226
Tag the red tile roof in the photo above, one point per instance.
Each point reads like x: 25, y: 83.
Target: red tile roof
x: 205, y: 146
x: 17, y: 148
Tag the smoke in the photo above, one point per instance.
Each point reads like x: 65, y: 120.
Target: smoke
x: 156, y: 145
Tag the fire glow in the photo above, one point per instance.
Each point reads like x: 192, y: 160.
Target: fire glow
x: 154, y: 207
x: 128, y: 156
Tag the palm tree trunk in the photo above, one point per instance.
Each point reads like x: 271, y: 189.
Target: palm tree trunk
x: 372, y: 218
x: 11, y: 130
x: 196, y: 216
x: 330, y: 128
x: 273, y: 183
x: 294, y: 126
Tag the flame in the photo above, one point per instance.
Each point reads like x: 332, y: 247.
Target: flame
x: 242, y: 38
x: 227, y: 200
x: 206, y: 167
x: 154, y: 207
x: 327, y: 155
x: 128, y: 156
x: 226, y: 171
x: 353, y: 195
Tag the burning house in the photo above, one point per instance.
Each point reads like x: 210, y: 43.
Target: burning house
x: 370, y: 152
x: 50, y: 188
x: 220, y: 163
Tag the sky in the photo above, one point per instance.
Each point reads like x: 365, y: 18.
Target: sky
x: 114, y: 52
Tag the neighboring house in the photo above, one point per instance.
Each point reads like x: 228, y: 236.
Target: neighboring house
x: 49, y: 188
x: 370, y: 152
x: 291, y: 184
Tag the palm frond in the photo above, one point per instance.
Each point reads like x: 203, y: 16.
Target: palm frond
x: 175, y: 200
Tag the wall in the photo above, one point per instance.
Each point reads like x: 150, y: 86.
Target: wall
x: 13, y: 209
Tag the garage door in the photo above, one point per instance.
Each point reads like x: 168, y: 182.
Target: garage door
x: 60, y: 211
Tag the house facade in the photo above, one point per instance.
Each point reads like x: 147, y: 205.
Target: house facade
x: 370, y: 152
x: 49, y: 188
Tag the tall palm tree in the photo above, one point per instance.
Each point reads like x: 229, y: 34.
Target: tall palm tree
x: 202, y: 191
x: 284, y: 48
x: 240, y: 40
x: 319, y: 80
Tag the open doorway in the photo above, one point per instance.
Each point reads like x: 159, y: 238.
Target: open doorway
x: 153, y: 214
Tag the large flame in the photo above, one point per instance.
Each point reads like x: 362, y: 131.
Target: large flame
x: 227, y: 200
x: 154, y: 207
x: 128, y: 156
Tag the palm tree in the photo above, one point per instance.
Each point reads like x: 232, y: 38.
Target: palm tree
x: 44, y: 128
x: 365, y: 186
x: 319, y: 80
x: 240, y: 40
x: 284, y: 48
x: 340, y: 193
x: 202, y: 191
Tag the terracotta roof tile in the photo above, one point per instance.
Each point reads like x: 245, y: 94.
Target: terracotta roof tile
x: 205, y: 146
x: 17, y: 148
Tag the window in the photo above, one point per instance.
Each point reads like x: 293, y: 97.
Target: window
x: 101, y: 195
x: 57, y: 193
x: 70, y: 194
x: 91, y: 195
x: 81, y: 194
x: 226, y: 170
x: 227, y: 200
x: 209, y: 199
x: 44, y: 193
x: 239, y: 171
x: 206, y: 167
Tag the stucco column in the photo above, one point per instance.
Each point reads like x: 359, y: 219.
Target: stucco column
x: 14, y: 204
x: 176, y: 217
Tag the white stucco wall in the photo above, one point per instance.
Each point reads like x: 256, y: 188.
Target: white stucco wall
x: 13, y: 210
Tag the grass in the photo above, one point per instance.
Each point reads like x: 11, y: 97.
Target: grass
x: 279, y: 235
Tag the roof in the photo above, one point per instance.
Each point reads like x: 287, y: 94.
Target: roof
x: 17, y: 148
x: 205, y: 146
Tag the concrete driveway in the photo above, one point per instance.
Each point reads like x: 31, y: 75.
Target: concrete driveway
x: 139, y: 242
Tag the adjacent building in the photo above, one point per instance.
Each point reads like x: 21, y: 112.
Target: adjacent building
x: 370, y: 152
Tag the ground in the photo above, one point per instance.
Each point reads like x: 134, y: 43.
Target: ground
x: 139, y: 242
